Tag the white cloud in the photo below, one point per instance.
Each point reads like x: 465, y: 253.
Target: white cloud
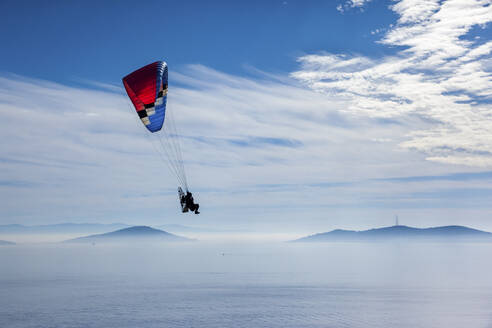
x: 81, y: 153
x: 349, y: 4
x: 251, y: 146
x: 440, y: 77
x: 412, y: 11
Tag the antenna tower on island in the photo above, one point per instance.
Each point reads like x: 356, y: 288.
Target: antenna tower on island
x: 396, y: 220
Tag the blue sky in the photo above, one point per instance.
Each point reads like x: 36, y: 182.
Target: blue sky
x: 298, y: 116
x: 101, y: 40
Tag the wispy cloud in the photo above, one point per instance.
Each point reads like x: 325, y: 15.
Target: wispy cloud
x: 84, y: 151
x: 16, y: 184
x: 439, y: 82
x: 259, y: 141
x: 349, y: 4
x: 262, y: 150
x: 487, y: 175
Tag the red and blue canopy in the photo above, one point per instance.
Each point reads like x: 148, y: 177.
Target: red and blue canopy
x: 147, y: 89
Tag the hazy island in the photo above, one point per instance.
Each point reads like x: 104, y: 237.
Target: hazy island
x: 60, y: 228
x: 137, y: 233
x: 91, y: 228
x: 405, y: 233
x: 4, y: 242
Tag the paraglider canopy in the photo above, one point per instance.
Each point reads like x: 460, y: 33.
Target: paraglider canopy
x: 147, y: 89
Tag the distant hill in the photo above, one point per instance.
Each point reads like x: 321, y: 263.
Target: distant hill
x: 61, y: 228
x: 137, y: 233
x: 400, y: 232
x: 96, y: 228
x: 4, y: 242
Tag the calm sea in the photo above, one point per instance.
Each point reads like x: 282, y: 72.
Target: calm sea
x: 203, y: 284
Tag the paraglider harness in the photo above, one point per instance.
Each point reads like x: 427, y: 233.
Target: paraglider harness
x: 187, y: 202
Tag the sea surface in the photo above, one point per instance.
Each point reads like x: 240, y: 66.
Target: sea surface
x: 246, y: 284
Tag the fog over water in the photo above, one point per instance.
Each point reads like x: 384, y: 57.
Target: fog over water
x: 246, y: 283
